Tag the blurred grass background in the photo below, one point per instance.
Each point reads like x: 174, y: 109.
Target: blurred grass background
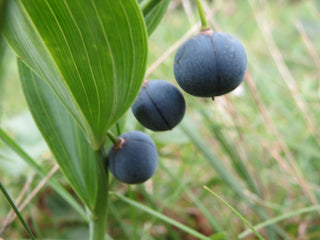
x: 258, y: 147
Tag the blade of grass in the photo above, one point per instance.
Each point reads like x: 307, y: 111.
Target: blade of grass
x: 15, y: 209
x: 232, y: 153
x: 280, y: 218
x: 225, y: 175
x: 133, y: 215
x: 34, y: 222
x: 165, y: 204
x: 311, y: 49
x: 114, y: 213
x: 282, y: 67
x: 54, y: 184
x: 34, y: 192
x: 235, y: 212
x: 291, y: 83
x: 213, y: 222
x: 282, y: 143
x: 178, y: 191
x: 162, y: 217
x: 6, y: 222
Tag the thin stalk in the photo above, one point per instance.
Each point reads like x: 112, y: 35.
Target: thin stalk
x: 118, y: 220
x: 235, y: 212
x: 204, y: 22
x: 134, y: 233
x: 113, y: 138
x: 34, y: 222
x: 118, y: 128
x: 15, y: 209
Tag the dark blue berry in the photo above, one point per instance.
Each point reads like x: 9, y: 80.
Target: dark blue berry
x: 134, y: 159
x: 210, y: 64
x: 159, y: 105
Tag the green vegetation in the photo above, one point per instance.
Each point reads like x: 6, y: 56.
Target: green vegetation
x: 258, y: 148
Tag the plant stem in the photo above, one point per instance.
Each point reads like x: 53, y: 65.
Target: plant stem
x: 98, y: 216
x: 204, y: 23
x: 112, y: 137
x: 97, y: 227
x: 15, y: 209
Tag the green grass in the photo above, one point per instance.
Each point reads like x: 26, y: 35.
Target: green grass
x: 258, y: 149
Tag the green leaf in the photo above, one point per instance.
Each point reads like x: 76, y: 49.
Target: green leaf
x: 3, y: 5
x: 153, y: 12
x: 91, y: 53
x: 65, y: 139
x: 3, y: 48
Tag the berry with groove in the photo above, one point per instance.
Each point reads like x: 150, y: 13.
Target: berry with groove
x: 210, y: 64
x: 159, y: 106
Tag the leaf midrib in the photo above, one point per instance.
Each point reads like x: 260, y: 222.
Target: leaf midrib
x: 94, y: 142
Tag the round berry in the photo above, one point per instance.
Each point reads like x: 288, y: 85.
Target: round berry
x: 159, y: 105
x: 134, y: 159
x: 210, y: 64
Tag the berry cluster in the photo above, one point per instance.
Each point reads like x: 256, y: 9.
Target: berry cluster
x: 208, y: 64
x: 159, y: 106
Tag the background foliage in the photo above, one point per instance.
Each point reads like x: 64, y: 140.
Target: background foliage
x: 258, y: 147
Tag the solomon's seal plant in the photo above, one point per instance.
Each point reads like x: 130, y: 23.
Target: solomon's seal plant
x: 81, y: 66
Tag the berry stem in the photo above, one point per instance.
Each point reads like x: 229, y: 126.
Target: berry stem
x: 204, y: 22
x: 113, y: 138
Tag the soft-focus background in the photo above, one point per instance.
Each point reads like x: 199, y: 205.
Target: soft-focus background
x: 258, y: 147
